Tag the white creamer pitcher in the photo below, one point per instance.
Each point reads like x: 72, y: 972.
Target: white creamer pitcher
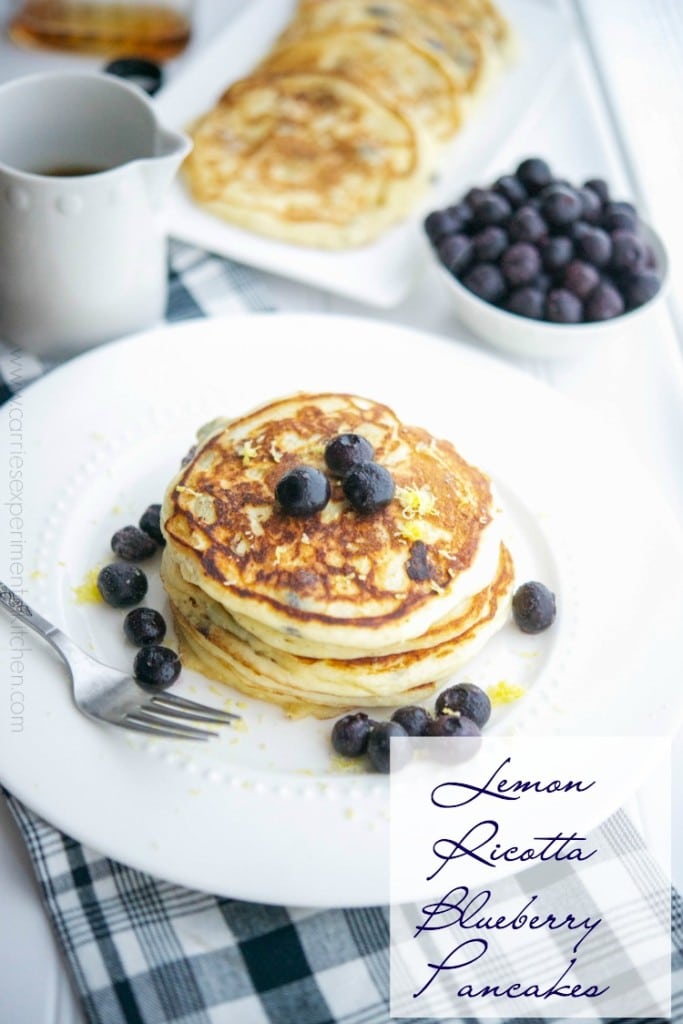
x: 84, y: 171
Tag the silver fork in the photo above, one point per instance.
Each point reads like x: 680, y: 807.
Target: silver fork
x: 105, y: 694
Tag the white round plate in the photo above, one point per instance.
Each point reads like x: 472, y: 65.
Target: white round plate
x: 265, y: 813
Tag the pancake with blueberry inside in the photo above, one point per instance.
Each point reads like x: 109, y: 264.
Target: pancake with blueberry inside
x: 308, y: 157
x: 388, y: 66
x: 322, y: 554
x: 335, y: 136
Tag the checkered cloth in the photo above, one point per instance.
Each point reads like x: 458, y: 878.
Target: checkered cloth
x: 143, y: 951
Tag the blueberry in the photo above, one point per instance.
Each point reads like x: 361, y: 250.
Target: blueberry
x: 527, y: 301
x: 556, y: 252
x: 533, y: 607
x: 368, y: 487
x: 486, y: 281
x: 468, y: 699
x: 650, y: 258
x: 144, y: 626
x: 534, y: 174
x: 150, y: 523
x: 560, y: 205
x: 133, y: 544
x: 474, y: 197
x: 520, y: 263
x: 600, y: 187
x: 345, y: 451
x: 491, y: 208
x: 439, y: 224
x: 604, y: 303
x: 580, y: 278
x: 122, y: 585
x: 595, y: 246
x: 461, y: 214
x: 526, y: 225
x: 156, y: 667
x: 542, y: 283
x: 489, y: 243
x: 512, y: 189
x: 379, y: 750
x: 562, y: 307
x: 413, y: 719
x: 189, y: 455
x: 302, y: 491
x: 620, y: 217
x: 628, y: 251
x: 350, y: 734
x: 454, y: 724
x: 641, y: 288
x: 591, y: 204
x: 577, y: 230
x: 455, y: 252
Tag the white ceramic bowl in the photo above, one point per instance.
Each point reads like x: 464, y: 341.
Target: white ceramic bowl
x: 522, y: 336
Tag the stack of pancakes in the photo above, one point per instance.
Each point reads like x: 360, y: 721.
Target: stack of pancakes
x: 336, y: 609
x: 335, y: 134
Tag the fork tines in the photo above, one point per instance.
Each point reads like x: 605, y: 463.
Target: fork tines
x: 166, y: 714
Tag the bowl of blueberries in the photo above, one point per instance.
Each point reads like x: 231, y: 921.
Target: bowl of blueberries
x: 540, y: 267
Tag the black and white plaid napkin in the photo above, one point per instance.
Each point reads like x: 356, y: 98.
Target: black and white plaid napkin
x: 144, y: 951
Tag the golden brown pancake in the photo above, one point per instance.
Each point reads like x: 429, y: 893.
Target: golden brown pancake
x: 388, y: 66
x: 306, y: 156
x: 337, y: 576
x: 213, y: 643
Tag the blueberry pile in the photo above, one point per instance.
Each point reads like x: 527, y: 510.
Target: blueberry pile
x: 461, y: 710
x: 367, y: 486
x: 124, y: 585
x: 537, y: 246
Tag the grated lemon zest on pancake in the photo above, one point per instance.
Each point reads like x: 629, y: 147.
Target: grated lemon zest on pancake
x: 247, y: 452
x: 275, y: 453
x: 410, y: 530
x: 504, y: 693
x: 436, y: 587
x: 416, y: 501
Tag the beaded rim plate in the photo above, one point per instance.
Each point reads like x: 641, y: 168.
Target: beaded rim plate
x: 266, y: 812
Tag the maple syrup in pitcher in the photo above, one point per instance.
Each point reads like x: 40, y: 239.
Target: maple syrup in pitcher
x: 156, y: 31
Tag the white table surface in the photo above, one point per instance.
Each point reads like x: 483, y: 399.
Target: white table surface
x: 615, y: 100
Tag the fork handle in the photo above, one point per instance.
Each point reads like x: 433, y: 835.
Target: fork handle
x: 18, y: 607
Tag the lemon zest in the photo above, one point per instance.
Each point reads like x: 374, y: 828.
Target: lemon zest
x: 411, y: 530
x: 416, y: 501
x: 247, y: 452
x: 505, y: 693
x: 87, y: 592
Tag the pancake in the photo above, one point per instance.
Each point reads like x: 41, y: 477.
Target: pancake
x: 215, y: 644
x: 460, y: 51
x: 395, y: 69
x: 308, y: 157
x: 335, y: 609
x: 337, y: 577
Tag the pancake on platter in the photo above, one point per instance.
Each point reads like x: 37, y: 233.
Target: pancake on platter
x: 386, y: 65
x: 308, y: 157
x: 334, y: 137
x: 336, y: 608
x: 460, y: 51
